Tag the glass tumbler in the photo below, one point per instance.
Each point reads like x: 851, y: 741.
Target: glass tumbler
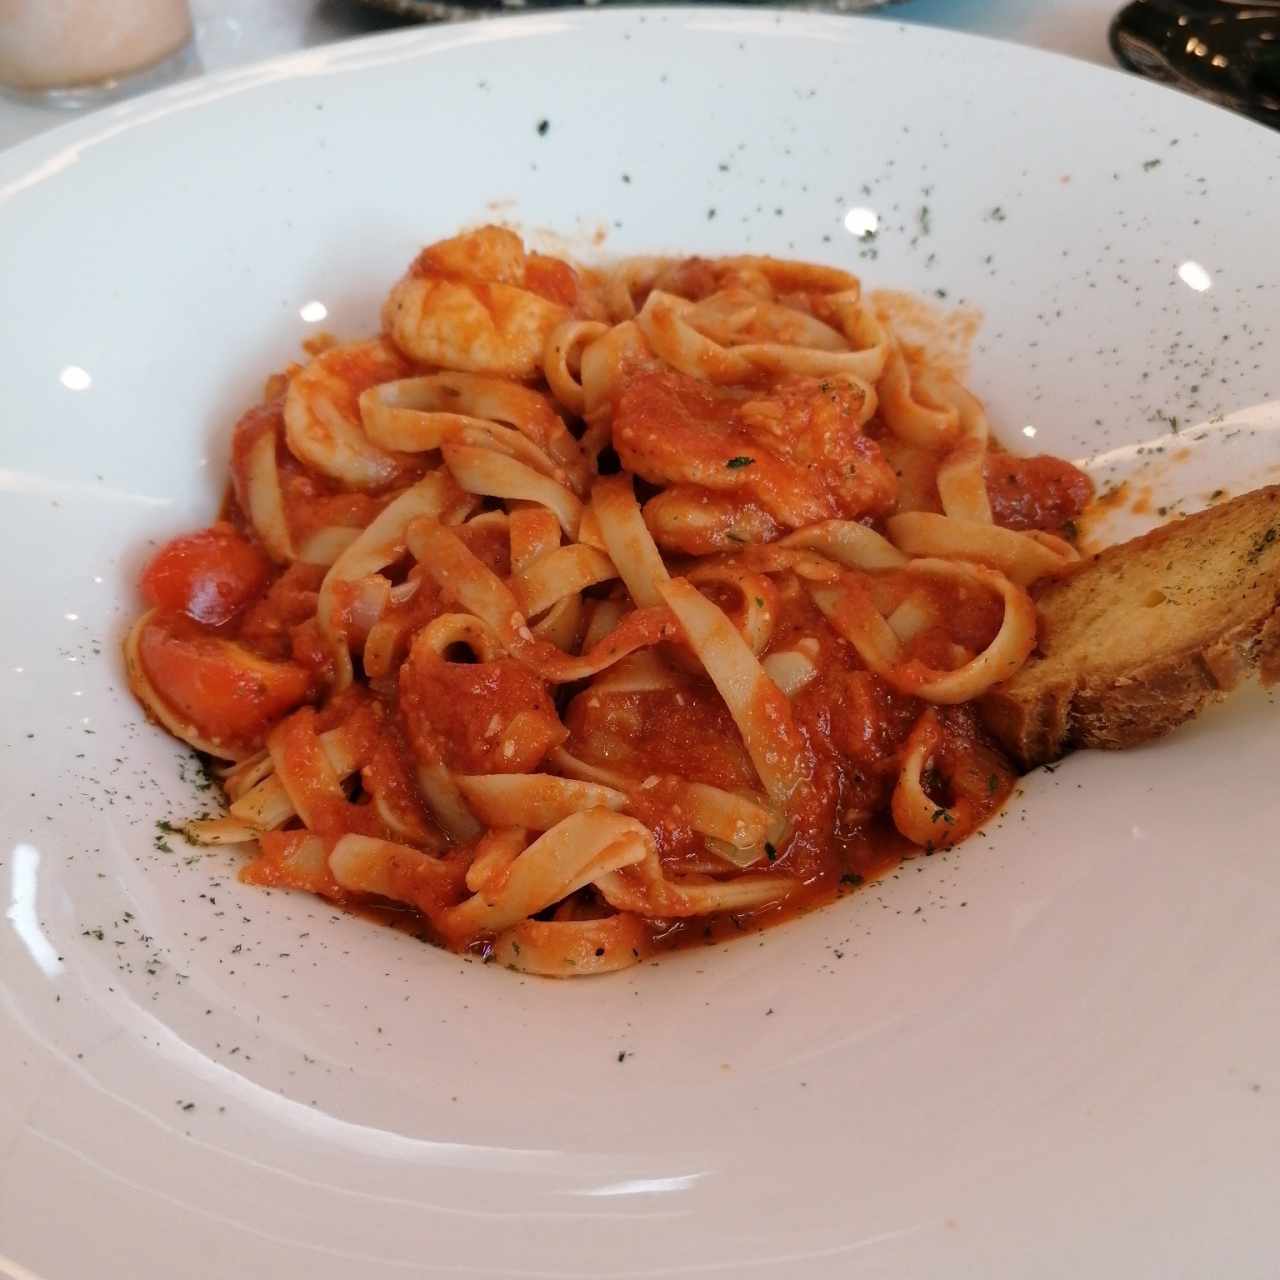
x: 77, y: 53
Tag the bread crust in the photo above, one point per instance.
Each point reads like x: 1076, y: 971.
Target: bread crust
x: 1110, y: 673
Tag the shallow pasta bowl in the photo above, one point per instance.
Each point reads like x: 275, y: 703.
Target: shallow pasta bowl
x: 1077, y: 1009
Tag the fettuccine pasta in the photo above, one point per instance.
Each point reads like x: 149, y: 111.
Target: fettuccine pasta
x: 582, y: 613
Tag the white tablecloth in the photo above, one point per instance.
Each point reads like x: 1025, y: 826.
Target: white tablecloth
x: 230, y: 33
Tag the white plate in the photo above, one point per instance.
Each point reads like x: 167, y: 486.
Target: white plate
x: 1052, y: 1053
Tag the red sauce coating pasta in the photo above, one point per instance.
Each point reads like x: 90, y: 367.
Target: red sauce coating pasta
x: 735, y: 695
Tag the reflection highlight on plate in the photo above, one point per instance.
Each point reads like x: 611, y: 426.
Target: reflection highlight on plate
x: 74, y: 378
x: 1194, y: 276
x: 21, y: 913
x: 410, y: 1151
x: 862, y: 222
x: 313, y: 312
x: 10, y: 1270
x: 645, y: 1186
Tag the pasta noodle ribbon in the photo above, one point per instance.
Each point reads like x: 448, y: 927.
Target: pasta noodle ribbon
x: 604, y: 363
x: 325, y: 546
x: 534, y: 533
x: 494, y: 475
x: 851, y: 611
x: 401, y: 873
x: 627, y: 538
x: 495, y: 851
x: 382, y: 543
x: 644, y: 889
x: 465, y: 579
x: 575, y: 852
x: 755, y: 610
x: 536, y: 801
x: 962, y: 484
x: 560, y: 573
x: 912, y: 405
x: 562, y: 361
x: 848, y: 543
x: 738, y: 826
x: 418, y: 414
x: 627, y: 280
x: 741, y: 330
x: 1022, y: 558
x: 306, y: 775
x: 673, y: 328
x: 756, y: 704
x: 263, y: 498
x: 263, y: 802
x: 794, y: 668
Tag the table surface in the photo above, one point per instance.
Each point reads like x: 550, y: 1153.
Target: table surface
x: 230, y: 33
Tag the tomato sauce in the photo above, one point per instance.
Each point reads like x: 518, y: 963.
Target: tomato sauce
x: 1036, y: 493
x: 482, y: 717
x: 230, y: 694
x: 269, y: 624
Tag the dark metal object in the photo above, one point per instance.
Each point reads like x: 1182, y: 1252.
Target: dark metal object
x: 1225, y: 50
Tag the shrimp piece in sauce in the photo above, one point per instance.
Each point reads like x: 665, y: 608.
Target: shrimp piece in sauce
x: 322, y: 414
x: 795, y: 451
x: 480, y: 304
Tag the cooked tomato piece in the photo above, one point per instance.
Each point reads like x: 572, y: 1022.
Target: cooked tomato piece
x: 1035, y: 493
x: 482, y: 717
x: 232, y: 696
x: 210, y: 576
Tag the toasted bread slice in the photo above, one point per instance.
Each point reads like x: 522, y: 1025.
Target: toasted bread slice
x: 1146, y: 633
